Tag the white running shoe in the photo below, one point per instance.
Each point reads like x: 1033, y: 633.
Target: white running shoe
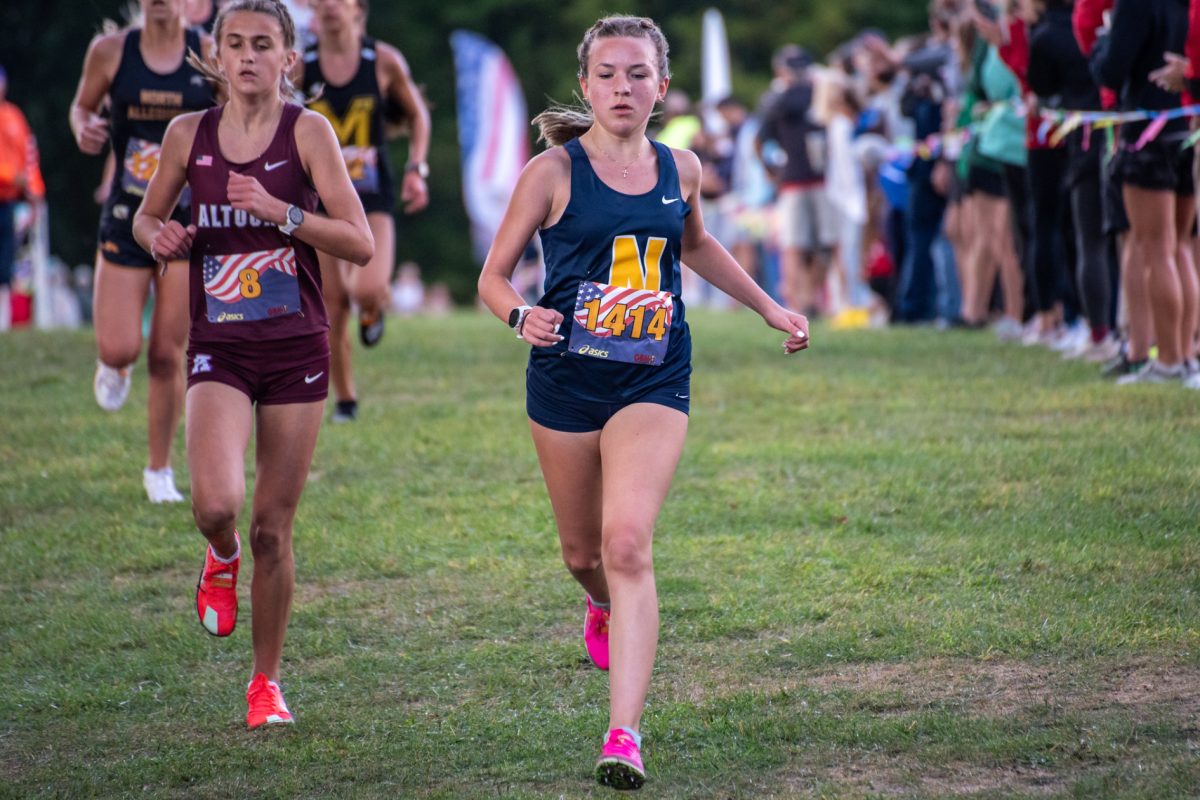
x: 1071, y: 338
x: 1008, y: 330
x: 160, y: 485
x: 1153, y: 372
x: 1106, y: 349
x: 111, y: 386
x: 1192, y: 381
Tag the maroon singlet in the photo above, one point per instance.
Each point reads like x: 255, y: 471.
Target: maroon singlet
x: 250, y: 282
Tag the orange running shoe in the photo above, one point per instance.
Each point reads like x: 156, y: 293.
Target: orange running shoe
x: 265, y: 704
x: 216, y: 593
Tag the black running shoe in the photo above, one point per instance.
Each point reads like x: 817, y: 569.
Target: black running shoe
x: 345, y: 411
x: 370, y: 328
x: 1121, y: 365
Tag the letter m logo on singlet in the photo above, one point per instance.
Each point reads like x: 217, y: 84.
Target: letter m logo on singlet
x: 354, y: 129
x: 629, y: 270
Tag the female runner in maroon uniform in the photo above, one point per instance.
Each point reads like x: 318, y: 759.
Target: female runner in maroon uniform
x: 259, y: 336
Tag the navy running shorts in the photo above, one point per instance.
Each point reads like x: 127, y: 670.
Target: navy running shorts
x: 558, y: 411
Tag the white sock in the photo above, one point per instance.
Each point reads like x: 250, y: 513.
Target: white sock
x: 236, y: 553
x: 602, y: 606
x: 637, y: 737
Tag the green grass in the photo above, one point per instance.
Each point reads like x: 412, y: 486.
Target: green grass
x: 904, y: 562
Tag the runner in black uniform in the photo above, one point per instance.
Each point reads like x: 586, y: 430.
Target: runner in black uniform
x: 142, y: 73
x: 353, y: 77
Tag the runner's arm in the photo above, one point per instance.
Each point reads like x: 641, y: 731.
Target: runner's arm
x: 705, y: 256
x: 99, y: 69
x: 155, y: 231
x: 528, y: 209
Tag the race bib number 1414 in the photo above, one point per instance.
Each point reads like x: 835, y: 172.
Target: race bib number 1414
x: 616, y: 323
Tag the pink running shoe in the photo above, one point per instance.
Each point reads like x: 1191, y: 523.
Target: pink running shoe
x: 595, y: 634
x: 216, y: 594
x: 620, y: 763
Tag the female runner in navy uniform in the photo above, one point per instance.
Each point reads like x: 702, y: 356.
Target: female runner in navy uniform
x: 608, y: 376
x: 358, y: 76
x: 143, y: 72
x: 257, y: 166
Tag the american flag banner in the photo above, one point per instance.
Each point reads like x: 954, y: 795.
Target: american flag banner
x: 493, y: 133
x: 250, y: 286
x: 637, y: 335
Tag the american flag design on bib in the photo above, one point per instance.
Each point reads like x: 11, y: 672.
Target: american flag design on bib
x: 618, y: 323
x: 244, y: 287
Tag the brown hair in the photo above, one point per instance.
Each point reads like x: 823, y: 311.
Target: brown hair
x: 559, y: 123
x: 272, y: 8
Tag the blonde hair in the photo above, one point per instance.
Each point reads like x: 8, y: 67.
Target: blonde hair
x: 559, y: 124
x: 272, y: 8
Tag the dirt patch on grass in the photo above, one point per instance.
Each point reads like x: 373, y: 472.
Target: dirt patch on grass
x: 1002, y: 687
x: 1144, y: 690
x: 878, y: 775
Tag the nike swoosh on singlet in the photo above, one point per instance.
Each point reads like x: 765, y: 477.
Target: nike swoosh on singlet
x: 667, y: 202
x: 311, y: 378
x: 269, y: 166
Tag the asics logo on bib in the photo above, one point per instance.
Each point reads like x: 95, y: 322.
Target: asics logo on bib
x: 201, y: 363
x: 588, y: 350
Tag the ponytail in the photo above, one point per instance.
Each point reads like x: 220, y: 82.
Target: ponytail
x: 559, y: 124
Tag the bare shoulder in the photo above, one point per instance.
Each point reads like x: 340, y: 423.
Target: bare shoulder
x: 390, y: 56
x: 552, y: 164
x: 687, y: 164
x: 311, y: 123
x: 104, y: 51
x: 185, y: 125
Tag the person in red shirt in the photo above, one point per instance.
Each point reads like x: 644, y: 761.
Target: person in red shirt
x: 20, y: 179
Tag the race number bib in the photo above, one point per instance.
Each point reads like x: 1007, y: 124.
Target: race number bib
x: 245, y: 287
x: 620, y: 324
x: 363, y: 165
x: 141, y: 160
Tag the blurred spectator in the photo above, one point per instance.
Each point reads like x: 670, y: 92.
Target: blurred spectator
x: 20, y: 180
x: 807, y: 228
x: 837, y: 108
x: 750, y: 192
x: 679, y: 124
x: 408, y: 292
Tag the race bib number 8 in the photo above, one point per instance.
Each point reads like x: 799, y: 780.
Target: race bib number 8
x: 621, y: 324
x: 246, y: 287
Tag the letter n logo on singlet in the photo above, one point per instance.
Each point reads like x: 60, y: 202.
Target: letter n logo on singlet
x: 629, y: 270
x: 354, y: 128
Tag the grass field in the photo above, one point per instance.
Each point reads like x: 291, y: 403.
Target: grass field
x: 903, y: 563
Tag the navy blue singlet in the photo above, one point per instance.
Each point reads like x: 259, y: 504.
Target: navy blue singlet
x: 620, y: 239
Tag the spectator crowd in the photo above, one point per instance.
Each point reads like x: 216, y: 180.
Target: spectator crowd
x: 945, y: 178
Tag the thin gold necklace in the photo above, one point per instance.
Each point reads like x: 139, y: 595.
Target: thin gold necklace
x: 624, y: 167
